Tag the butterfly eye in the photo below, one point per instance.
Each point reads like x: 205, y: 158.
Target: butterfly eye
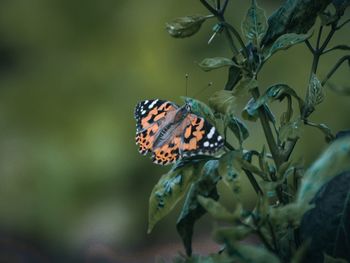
x: 188, y: 107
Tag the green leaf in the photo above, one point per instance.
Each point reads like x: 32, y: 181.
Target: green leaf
x: 329, y: 259
x: 238, y: 127
x: 185, y: 26
x: 254, y: 25
x: 209, y: 64
x: 234, y: 75
x: 215, y: 209
x: 201, y: 109
x: 284, y: 42
x: 315, y: 93
x: 230, y: 168
x: 291, y: 130
x: 192, y: 210
x: 250, y: 112
x: 334, y: 160
x: 223, y: 101
x: 235, y: 233
x: 250, y: 253
x: 329, y: 218
x: 168, y: 191
x: 280, y: 91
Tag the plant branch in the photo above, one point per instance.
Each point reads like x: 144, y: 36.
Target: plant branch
x: 223, y: 9
x: 308, y: 44
x: 343, y: 24
x: 253, y: 182
x: 209, y: 7
x: 267, y: 130
x: 335, y: 67
x: 338, y: 47
x: 237, y: 36
x: 319, y: 37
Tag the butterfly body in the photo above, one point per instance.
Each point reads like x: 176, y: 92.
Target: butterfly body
x: 171, y: 132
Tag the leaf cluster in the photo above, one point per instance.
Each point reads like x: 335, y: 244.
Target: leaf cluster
x: 289, y: 196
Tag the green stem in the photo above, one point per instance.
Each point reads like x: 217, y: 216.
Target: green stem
x: 267, y: 131
x: 334, y: 69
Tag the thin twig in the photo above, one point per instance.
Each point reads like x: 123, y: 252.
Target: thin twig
x: 338, y: 47
x: 343, y: 24
x: 209, y: 7
x: 223, y: 9
x: 335, y: 67
x: 319, y: 37
x: 308, y: 44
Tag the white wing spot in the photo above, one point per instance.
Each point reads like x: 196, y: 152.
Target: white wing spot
x: 219, y: 138
x: 152, y: 104
x: 143, y: 112
x: 146, y: 101
x: 211, y: 145
x: 211, y: 132
x: 206, y: 144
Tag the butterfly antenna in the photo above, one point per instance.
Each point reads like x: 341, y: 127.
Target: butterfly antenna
x: 186, y: 76
x: 202, y: 90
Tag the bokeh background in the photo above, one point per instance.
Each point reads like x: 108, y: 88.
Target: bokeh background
x: 73, y: 186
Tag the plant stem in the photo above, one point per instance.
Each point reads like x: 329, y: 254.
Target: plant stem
x: 335, y: 67
x: 253, y: 182
x: 267, y: 130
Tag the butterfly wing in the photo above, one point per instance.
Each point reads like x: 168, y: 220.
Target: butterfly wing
x: 194, y: 136
x: 149, y: 114
x: 168, y: 153
x: 200, y: 138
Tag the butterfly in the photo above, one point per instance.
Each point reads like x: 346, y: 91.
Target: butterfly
x: 171, y: 132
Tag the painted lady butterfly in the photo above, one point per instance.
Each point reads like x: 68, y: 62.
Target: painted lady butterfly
x: 171, y: 132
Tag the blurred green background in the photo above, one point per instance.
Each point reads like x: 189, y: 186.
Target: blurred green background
x: 73, y: 185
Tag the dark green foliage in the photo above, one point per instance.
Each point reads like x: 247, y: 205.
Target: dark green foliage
x: 286, y: 190
x: 294, y: 16
x: 327, y: 224
x: 192, y: 210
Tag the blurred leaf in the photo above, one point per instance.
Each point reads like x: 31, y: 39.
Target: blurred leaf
x: 327, y: 224
x: 209, y: 64
x: 291, y: 130
x: 300, y: 253
x: 342, y: 134
x: 168, y: 191
x: 329, y: 259
x: 286, y: 216
x: 201, y: 109
x: 216, y: 210
x: 215, y: 258
x: 230, y: 169
x: 284, y: 42
x: 254, y: 24
x: 315, y: 93
x: 234, y: 75
x: 192, y: 210
x: 334, y: 160
x: 250, y: 253
x: 234, y: 233
x: 185, y: 26
x: 238, y: 127
x: 223, y: 101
